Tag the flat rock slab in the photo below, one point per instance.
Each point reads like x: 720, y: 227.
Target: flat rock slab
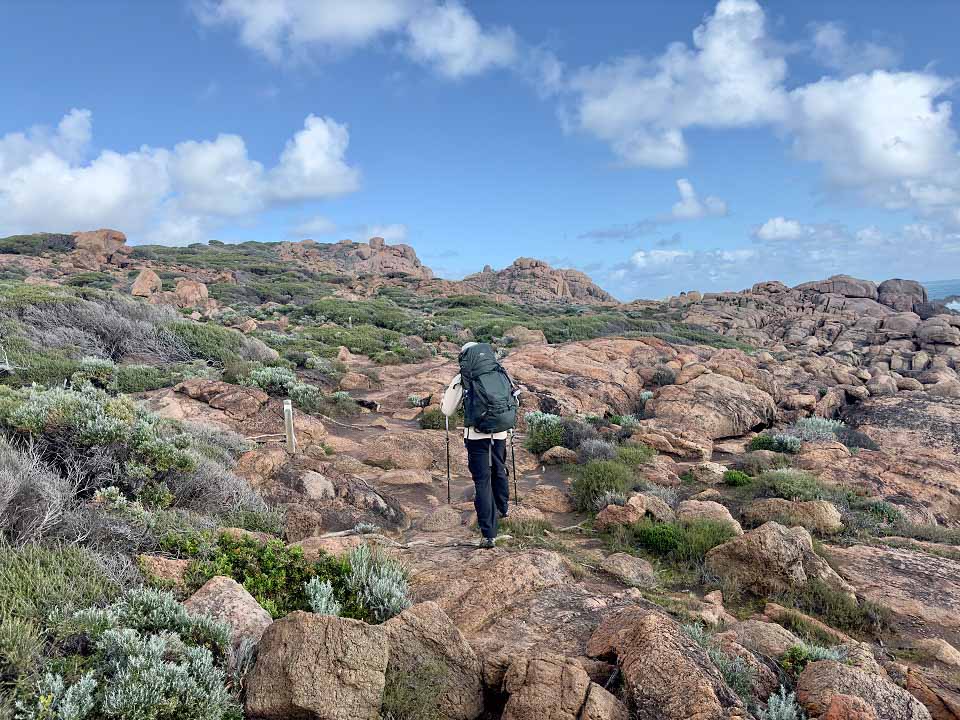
x: 914, y: 585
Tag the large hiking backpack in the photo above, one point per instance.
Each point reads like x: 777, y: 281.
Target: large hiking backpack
x: 489, y: 405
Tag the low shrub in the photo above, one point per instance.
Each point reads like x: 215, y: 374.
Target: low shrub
x: 737, y: 674
x: 35, y: 581
x: 596, y: 450
x: 544, y: 431
x: 815, y: 429
x: 776, y: 442
x: 434, y: 419
x: 577, y: 431
x: 365, y: 585
x: 143, y: 656
x: 609, y: 498
x: 635, y: 455
x: 526, y: 527
x: 755, y: 463
x: 793, y: 484
x: 837, y: 608
x: 597, y: 478
x: 736, y: 478
x: 664, y: 375
x: 796, y: 658
x: 782, y: 706
x: 681, y: 542
x: 628, y: 422
x: 273, y: 380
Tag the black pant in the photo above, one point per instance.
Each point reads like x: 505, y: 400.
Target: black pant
x: 492, y: 493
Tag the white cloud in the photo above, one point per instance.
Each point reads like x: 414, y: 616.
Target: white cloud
x: 317, y: 225
x: 391, y: 232
x: 450, y: 39
x: 731, y: 77
x: 691, y: 207
x: 883, y: 136
x: 313, y: 164
x: 816, y: 251
x: 289, y: 29
x: 869, y: 131
x: 832, y: 50
x: 442, y: 35
x: 217, y: 177
x: 50, y: 180
x: 779, y: 228
x: 657, y: 258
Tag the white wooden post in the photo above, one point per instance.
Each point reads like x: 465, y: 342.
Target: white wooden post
x: 288, y: 426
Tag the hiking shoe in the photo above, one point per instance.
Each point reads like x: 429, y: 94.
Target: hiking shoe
x: 503, y: 515
x: 487, y: 544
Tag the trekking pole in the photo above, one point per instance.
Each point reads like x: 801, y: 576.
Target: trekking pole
x: 513, y: 459
x: 446, y: 419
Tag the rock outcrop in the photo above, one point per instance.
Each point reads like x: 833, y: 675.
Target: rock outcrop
x: 772, y: 559
x: 534, y: 280
x: 346, y: 257
x: 225, y: 599
x: 666, y: 674
x: 319, y: 666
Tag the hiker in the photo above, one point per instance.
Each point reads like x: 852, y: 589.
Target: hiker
x: 489, y: 415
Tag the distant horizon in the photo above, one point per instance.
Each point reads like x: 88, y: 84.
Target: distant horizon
x: 952, y: 284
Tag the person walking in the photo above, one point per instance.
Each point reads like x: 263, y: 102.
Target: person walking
x: 489, y: 414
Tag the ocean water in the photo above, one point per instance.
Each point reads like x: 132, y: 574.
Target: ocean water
x: 940, y: 289
x: 954, y: 306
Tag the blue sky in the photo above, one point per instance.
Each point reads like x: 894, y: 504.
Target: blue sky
x: 659, y: 146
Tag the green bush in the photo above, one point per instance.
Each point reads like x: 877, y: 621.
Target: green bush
x: 274, y: 574
x: 776, y: 443
x: 37, y: 244
x: 837, y: 608
x: 782, y: 706
x: 434, y: 419
x: 143, y: 378
x: 365, y: 585
x: 737, y: 674
x: 635, y: 455
x: 793, y: 484
x: 34, y: 581
x: 208, y: 341
x: 736, y: 478
x: 796, y: 658
x: 664, y: 375
x: 144, y: 657
x: 273, y: 380
x: 544, y: 431
x: 681, y: 543
x: 597, y: 478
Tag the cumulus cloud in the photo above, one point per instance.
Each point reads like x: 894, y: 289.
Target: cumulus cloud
x: 779, y: 228
x: 49, y: 178
x: 883, y: 135
x: 731, y: 77
x: 442, y: 35
x: 450, y: 39
x: 312, y: 163
x: 289, y: 29
x: 691, y: 207
x: 833, y: 50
